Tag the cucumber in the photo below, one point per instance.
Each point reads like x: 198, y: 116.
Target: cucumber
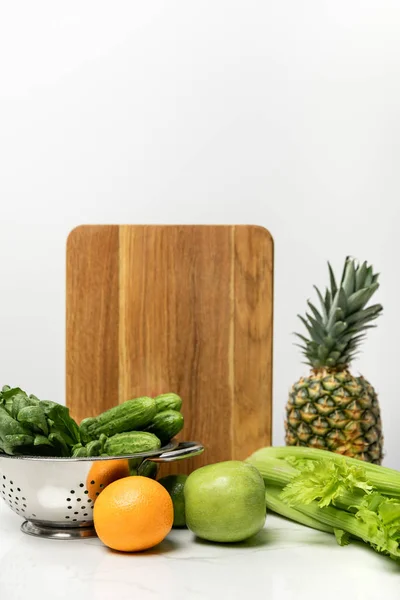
x: 128, y: 416
x: 168, y: 401
x: 79, y: 451
x: 131, y: 442
x: 94, y: 448
x: 166, y: 424
x: 148, y: 469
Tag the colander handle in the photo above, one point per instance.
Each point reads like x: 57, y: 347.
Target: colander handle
x: 183, y: 450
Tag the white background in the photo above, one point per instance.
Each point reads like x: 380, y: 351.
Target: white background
x: 283, y: 113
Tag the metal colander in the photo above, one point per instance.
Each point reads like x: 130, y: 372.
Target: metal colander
x: 55, y: 496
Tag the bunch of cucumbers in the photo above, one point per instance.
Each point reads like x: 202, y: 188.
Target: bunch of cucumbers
x: 33, y: 427
x: 139, y: 425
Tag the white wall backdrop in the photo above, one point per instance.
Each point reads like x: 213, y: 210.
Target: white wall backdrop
x: 283, y: 113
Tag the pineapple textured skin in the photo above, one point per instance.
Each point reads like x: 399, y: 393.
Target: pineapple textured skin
x: 335, y: 411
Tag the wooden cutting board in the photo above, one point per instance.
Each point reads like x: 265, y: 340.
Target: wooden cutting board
x: 188, y: 309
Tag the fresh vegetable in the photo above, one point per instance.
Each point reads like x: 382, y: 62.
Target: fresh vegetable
x: 29, y: 426
x: 79, y: 451
x: 131, y: 442
x: 166, y: 424
x: 148, y: 468
x: 128, y: 416
x: 225, y: 502
x: 332, y: 409
x: 337, y: 494
x: 168, y: 401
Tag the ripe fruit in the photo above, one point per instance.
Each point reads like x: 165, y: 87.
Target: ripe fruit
x: 225, y: 502
x: 133, y: 514
x: 332, y: 409
x: 104, y: 472
x: 175, y: 485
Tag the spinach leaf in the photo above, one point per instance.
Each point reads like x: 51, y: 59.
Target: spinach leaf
x: 58, y: 441
x: 11, y: 443
x: 42, y: 440
x: 64, y: 424
x: 34, y: 417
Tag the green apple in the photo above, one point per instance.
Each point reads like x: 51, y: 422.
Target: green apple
x: 225, y: 502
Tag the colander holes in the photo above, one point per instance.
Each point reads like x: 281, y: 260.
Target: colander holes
x: 16, y: 497
x: 79, y: 499
x: 4, y: 476
x: 89, y: 500
x: 23, y: 498
x: 68, y: 499
x: 101, y: 485
x: 72, y: 492
x: 24, y: 505
x: 33, y: 515
x: 67, y: 517
x: 76, y: 513
x: 74, y: 519
x: 97, y: 493
x: 23, y: 510
x: 11, y: 490
x: 18, y: 489
x: 4, y: 485
x: 11, y: 482
x: 86, y: 492
x: 83, y: 507
x: 81, y: 485
x: 9, y: 495
x: 69, y: 507
x: 85, y: 514
x: 92, y: 482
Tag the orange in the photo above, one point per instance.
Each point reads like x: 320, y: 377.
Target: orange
x: 104, y: 472
x: 132, y: 514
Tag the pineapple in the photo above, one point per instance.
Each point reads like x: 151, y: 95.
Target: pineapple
x: 332, y: 409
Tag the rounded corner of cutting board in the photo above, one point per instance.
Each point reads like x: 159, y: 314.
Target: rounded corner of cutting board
x: 215, y: 300
x: 262, y: 230
x: 76, y: 230
x: 82, y: 230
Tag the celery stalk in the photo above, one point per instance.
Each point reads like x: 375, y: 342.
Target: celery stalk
x: 274, y: 503
x: 373, y: 533
x: 274, y: 471
x: 322, y: 489
x: 386, y: 480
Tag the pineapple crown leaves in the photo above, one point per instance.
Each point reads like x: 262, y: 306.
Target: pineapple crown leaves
x: 337, y: 328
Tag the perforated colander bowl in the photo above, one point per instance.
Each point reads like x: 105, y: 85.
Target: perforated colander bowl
x: 55, y: 496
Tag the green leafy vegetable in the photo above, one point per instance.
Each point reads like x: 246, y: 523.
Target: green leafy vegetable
x: 325, y: 481
x: 326, y: 491
x: 31, y: 426
x: 63, y: 423
x: 342, y: 537
x: 59, y: 443
x: 33, y: 416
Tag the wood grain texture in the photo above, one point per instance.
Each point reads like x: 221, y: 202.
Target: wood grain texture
x: 192, y: 313
x: 252, y: 360
x: 92, y: 320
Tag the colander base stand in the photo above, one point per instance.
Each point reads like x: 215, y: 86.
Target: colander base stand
x: 57, y: 533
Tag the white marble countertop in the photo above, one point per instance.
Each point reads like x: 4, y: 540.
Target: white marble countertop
x: 284, y: 561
